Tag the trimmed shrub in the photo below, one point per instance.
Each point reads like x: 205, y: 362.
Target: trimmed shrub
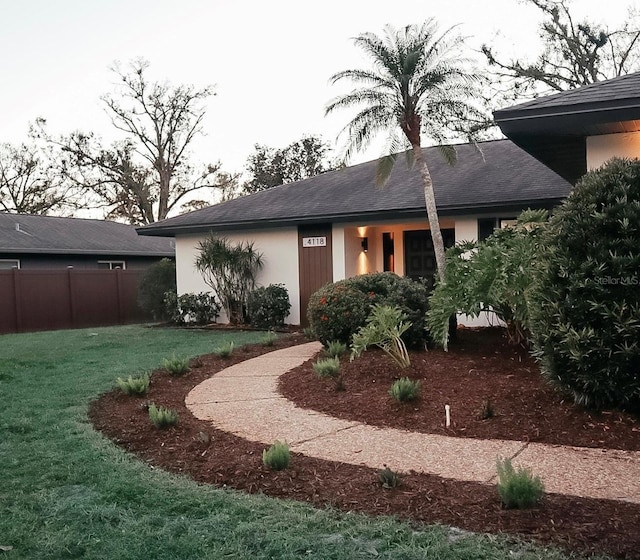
x: 268, y: 306
x: 277, y: 457
x: 200, y: 309
x: 586, y: 306
x: 156, y: 281
x: 518, y: 489
x: 338, y: 310
x: 134, y: 386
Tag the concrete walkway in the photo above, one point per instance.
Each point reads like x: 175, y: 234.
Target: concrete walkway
x: 244, y: 400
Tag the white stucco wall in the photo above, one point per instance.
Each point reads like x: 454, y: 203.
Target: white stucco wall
x: 601, y: 149
x: 280, y: 252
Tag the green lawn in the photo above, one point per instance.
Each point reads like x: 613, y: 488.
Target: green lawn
x: 66, y: 492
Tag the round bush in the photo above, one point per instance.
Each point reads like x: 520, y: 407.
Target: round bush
x: 158, y: 279
x: 268, y: 306
x: 384, y: 288
x: 336, y: 311
x: 586, y: 305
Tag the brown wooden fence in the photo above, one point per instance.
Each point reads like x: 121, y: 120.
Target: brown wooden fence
x: 35, y: 300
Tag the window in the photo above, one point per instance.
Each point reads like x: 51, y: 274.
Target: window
x: 112, y: 265
x: 8, y: 264
x: 486, y: 227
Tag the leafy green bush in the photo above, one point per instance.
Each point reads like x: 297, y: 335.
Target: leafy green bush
x: 176, y: 366
x: 135, y: 386
x: 200, y: 309
x: 335, y: 349
x: 518, y: 489
x: 338, y: 310
x: 384, y: 329
x: 224, y: 350
x: 157, y: 280
x: 162, y: 417
x: 328, y: 367
x: 405, y: 389
x: 586, y: 312
x: 268, y: 306
x: 494, y: 275
x: 277, y: 457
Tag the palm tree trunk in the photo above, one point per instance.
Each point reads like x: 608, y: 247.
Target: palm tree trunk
x: 432, y: 212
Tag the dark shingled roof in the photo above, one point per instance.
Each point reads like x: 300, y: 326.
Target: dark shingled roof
x: 553, y: 129
x: 23, y: 233
x: 501, y: 177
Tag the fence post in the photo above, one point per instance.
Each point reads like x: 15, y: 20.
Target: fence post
x: 17, y: 299
x: 72, y: 296
x: 119, y: 296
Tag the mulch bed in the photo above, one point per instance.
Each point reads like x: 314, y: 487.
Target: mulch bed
x: 208, y: 455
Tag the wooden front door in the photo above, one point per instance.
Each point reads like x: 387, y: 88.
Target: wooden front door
x: 315, y: 257
x: 419, y: 256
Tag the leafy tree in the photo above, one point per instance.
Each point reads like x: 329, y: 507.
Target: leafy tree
x: 30, y: 182
x: 419, y: 85
x: 270, y: 167
x: 146, y: 174
x: 575, y: 53
x: 230, y: 270
x: 494, y: 275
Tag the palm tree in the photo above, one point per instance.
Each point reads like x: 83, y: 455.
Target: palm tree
x: 419, y: 86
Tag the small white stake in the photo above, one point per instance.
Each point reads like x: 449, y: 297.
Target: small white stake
x: 447, y: 413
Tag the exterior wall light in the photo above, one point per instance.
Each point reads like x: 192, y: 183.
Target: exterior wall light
x: 365, y: 244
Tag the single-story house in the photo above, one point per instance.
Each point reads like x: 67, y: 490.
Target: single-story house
x: 578, y: 130
x: 338, y: 224
x: 30, y: 241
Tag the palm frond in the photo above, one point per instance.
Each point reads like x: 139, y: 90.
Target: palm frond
x: 384, y: 167
x: 448, y: 153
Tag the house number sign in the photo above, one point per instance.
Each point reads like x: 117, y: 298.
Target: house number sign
x: 314, y: 241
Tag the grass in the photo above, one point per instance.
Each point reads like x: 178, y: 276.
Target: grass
x: 67, y: 492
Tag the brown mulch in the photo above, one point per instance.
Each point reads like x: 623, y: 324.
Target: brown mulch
x: 208, y: 455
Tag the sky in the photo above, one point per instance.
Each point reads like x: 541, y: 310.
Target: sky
x: 269, y: 61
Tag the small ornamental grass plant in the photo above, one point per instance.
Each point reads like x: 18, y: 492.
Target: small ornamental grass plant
x: 162, y: 417
x: 134, y: 386
x: 328, y: 367
x: 518, y: 489
x: 384, y: 329
x: 176, y: 366
x: 487, y: 410
x: 277, y: 457
x: 335, y: 349
x: 388, y: 478
x: 269, y: 339
x: 224, y: 350
x: 405, y: 389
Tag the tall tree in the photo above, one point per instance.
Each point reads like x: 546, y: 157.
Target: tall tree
x: 144, y: 176
x: 270, y: 167
x: 575, y: 53
x: 419, y: 85
x: 30, y: 182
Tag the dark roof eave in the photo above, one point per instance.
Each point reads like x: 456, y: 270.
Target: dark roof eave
x: 452, y: 210
x: 45, y: 251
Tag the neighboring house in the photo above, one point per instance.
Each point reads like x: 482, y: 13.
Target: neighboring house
x: 30, y: 242
x: 338, y: 224
x: 578, y: 130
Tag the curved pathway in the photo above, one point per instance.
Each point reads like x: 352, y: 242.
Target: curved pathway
x: 244, y: 400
